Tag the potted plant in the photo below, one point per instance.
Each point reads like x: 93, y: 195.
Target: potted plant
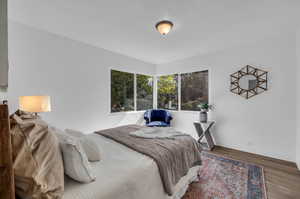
x: 204, y: 108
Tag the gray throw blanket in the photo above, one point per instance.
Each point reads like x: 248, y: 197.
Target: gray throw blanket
x: 174, y: 157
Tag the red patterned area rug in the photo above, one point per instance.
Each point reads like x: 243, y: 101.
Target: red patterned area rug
x: 224, y: 178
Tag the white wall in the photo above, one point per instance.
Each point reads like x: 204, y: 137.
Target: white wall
x: 264, y: 124
x: 75, y: 75
x: 3, y: 96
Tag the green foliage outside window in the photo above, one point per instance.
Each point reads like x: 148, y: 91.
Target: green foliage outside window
x: 194, y: 90
x: 167, y: 95
x: 122, y: 91
x: 144, y: 92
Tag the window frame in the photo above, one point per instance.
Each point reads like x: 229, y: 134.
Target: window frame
x: 134, y: 91
x: 155, y: 90
x: 110, y: 88
x: 178, y: 85
x: 179, y: 88
x: 208, y: 87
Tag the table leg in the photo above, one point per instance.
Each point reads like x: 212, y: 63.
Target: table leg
x: 210, y: 141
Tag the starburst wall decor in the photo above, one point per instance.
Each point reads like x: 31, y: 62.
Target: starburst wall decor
x: 249, y: 81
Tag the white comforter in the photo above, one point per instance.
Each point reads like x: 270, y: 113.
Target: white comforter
x: 124, y: 174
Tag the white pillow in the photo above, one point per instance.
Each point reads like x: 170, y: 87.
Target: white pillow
x: 89, y: 145
x: 76, y: 164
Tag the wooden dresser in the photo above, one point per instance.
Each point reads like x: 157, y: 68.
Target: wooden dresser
x: 7, y: 189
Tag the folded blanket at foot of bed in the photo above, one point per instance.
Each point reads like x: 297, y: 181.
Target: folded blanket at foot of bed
x: 157, y: 133
x: 174, y: 157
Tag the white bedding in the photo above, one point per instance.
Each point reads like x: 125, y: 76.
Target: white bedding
x: 124, y: 174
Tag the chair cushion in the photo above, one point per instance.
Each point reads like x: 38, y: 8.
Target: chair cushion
x: 158, y: 123
x: 158, y: 115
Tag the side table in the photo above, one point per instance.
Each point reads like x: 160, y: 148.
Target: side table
x: 203, y: 130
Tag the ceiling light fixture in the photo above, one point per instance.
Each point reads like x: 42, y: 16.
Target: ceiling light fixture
x: 164, y: 27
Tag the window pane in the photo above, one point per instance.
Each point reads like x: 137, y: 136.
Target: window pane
x: 144, y: 92
x: 167, y: 94
x: 194, y: 90
x: 122, y: 89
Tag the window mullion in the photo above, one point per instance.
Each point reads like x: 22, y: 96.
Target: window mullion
x: 179, y: 92
x: 135, y: 93
x: 155, y: 92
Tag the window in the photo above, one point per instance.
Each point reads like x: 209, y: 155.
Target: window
x: 144, y: 92
x: 167, y: 94
x: 194, y: 90
x: 122, y: 91
x: 130, y: 92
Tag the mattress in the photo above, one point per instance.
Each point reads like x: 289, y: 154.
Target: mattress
x: 124, y: 173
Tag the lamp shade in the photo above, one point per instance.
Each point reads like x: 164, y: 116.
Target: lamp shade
x: 35, y: 104
x: 164, y: 27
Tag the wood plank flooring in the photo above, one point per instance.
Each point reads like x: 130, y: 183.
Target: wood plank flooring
x: 282, y: 177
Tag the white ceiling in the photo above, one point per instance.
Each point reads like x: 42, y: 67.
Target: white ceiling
x: 127, y: 26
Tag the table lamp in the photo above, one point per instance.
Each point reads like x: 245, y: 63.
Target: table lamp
x: 35, y: 104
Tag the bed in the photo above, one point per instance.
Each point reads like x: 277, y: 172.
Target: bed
x: 125, y: 173
x: 122, y: 172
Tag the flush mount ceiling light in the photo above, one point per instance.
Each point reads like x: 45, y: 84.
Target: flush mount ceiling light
x: 164, y: 27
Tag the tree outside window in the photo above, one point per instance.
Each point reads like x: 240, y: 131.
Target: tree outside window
x: 122, y: 91
x: 144, y: 91
x: 194, y: 90
x: 167, y: 95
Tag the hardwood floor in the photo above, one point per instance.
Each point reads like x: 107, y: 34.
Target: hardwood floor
x: 282, y: 177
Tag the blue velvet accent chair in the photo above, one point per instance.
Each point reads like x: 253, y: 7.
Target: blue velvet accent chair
x: 158, y: 117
